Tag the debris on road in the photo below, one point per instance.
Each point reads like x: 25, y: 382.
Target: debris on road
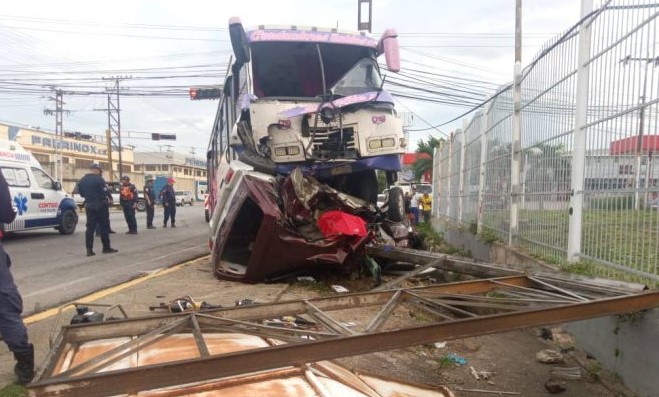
x: 454, y: 358
x: 555, y: 387
x: 340, y: 289
x: 549, y: 356
x: 566, y: 372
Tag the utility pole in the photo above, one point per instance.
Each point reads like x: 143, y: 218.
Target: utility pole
x: 641, y: 131
x: 58, y: 112
x: 108, y: 138
x: 114, y: 116
x: 194, y: 172
x: 368, y: 24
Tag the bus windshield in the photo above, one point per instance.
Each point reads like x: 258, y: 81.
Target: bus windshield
x: 363, y: 77
x: 293, y: 69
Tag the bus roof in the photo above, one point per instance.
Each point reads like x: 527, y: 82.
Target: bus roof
x: 310, y: 35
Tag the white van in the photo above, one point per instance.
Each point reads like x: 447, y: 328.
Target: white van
x: 39, y: 200
x: 184, y: 197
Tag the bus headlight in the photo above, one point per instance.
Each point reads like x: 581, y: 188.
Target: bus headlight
x: 377, y: 143
x: 287, y: 151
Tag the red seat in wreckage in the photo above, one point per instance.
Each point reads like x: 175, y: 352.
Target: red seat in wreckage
x: 272, y: 229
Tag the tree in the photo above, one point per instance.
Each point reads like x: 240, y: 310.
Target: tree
x: 424, y: 164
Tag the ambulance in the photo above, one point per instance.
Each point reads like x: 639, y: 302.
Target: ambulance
x: 38, y: 200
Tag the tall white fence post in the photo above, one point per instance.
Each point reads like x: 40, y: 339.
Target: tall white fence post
x: 461, y: 188
x: 482, y: 172
x: 579, y: 136
x: 515, y: 156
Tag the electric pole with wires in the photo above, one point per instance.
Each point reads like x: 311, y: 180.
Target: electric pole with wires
x: 114, y: 116
x: 58, y: 112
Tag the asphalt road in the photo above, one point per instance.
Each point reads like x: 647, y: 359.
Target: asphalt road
x: 51, y: 269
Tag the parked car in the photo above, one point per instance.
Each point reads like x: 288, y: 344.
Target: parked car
x: 115, y: 189
x: 184, y: 197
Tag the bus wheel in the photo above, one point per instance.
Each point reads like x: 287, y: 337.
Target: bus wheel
x: 68, y: 222
x: 396, y: 208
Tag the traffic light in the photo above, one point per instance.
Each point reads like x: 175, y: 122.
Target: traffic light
x: 205, y: 93
x: 155, y: 136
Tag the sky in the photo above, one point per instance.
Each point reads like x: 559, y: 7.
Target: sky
x: 465, y: 49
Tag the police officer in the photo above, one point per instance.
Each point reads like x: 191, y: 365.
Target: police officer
x: 128, y: 201
x: 12, y: 328
x: 168, y: 197
x: 93, y: 189
x: 150, y: 202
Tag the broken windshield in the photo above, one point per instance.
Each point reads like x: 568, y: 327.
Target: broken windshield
x: 363, y: 77
x: 293, y: 69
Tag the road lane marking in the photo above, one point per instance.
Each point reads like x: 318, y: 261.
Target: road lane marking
x: 107, y: 291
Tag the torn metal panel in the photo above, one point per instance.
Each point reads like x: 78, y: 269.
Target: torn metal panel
x: 271, y: 229
x: 457, y: 310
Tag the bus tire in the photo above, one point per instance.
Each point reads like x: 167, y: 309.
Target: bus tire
x: 260, y: 164
x: 396, y: 210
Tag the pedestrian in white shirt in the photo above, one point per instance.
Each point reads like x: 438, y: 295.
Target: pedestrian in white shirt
x: 414, y: 206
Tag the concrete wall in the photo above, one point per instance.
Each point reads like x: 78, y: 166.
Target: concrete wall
x: 625, y: 345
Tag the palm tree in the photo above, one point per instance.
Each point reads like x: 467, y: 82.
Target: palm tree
x: 424, y: 164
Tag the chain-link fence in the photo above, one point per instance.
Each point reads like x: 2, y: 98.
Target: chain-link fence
x: 585, y: 161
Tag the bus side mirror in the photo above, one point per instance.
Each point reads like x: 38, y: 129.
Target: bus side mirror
x: 210, y: 155
x: 388, y: 45
x: 238, y: 40
x: 57, y: 185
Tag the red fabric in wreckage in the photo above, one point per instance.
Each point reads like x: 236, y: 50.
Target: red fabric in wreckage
x: 334, y: 222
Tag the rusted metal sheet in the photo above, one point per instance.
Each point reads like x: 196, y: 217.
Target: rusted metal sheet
x: 321, y: 379
x: 457, y: 310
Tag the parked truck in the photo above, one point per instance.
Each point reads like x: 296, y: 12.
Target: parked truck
x: 302, y: 126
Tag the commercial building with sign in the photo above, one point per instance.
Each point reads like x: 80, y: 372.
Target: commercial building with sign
x: 78, y: 151
x: 189, y: 172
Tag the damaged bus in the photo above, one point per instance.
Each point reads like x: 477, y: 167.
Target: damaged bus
x: 302, y: 126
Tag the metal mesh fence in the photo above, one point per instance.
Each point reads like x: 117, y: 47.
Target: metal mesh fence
x: 588, y: 189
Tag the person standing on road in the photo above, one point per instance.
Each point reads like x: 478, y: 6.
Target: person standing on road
x: 108, y: 202
x: 414, y: 206
x: 168, y: 197
x: 426, y: 204
x: 12, y: 328
x: 407, y: 199
x: 149, y: 201
x: 128, y: 201
x: 95, y: 192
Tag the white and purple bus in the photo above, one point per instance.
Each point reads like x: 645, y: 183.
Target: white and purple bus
x: 308, y: 99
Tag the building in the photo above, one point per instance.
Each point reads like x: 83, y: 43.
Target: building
x: 79, y: 150
x: 189, y: 171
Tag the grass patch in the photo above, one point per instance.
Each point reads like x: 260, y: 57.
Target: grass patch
x: 594, y: 370
x: 13, y: 391
x: 444, y: 362
x: 612, y: 232
x: 430, y: 236
x: 488, y: 236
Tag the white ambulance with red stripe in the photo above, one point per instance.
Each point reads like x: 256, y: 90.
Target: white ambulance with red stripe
x: 38, y: 199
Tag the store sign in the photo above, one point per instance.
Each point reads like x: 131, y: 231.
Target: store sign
x: 78, y: 147
x: 195, y: 162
